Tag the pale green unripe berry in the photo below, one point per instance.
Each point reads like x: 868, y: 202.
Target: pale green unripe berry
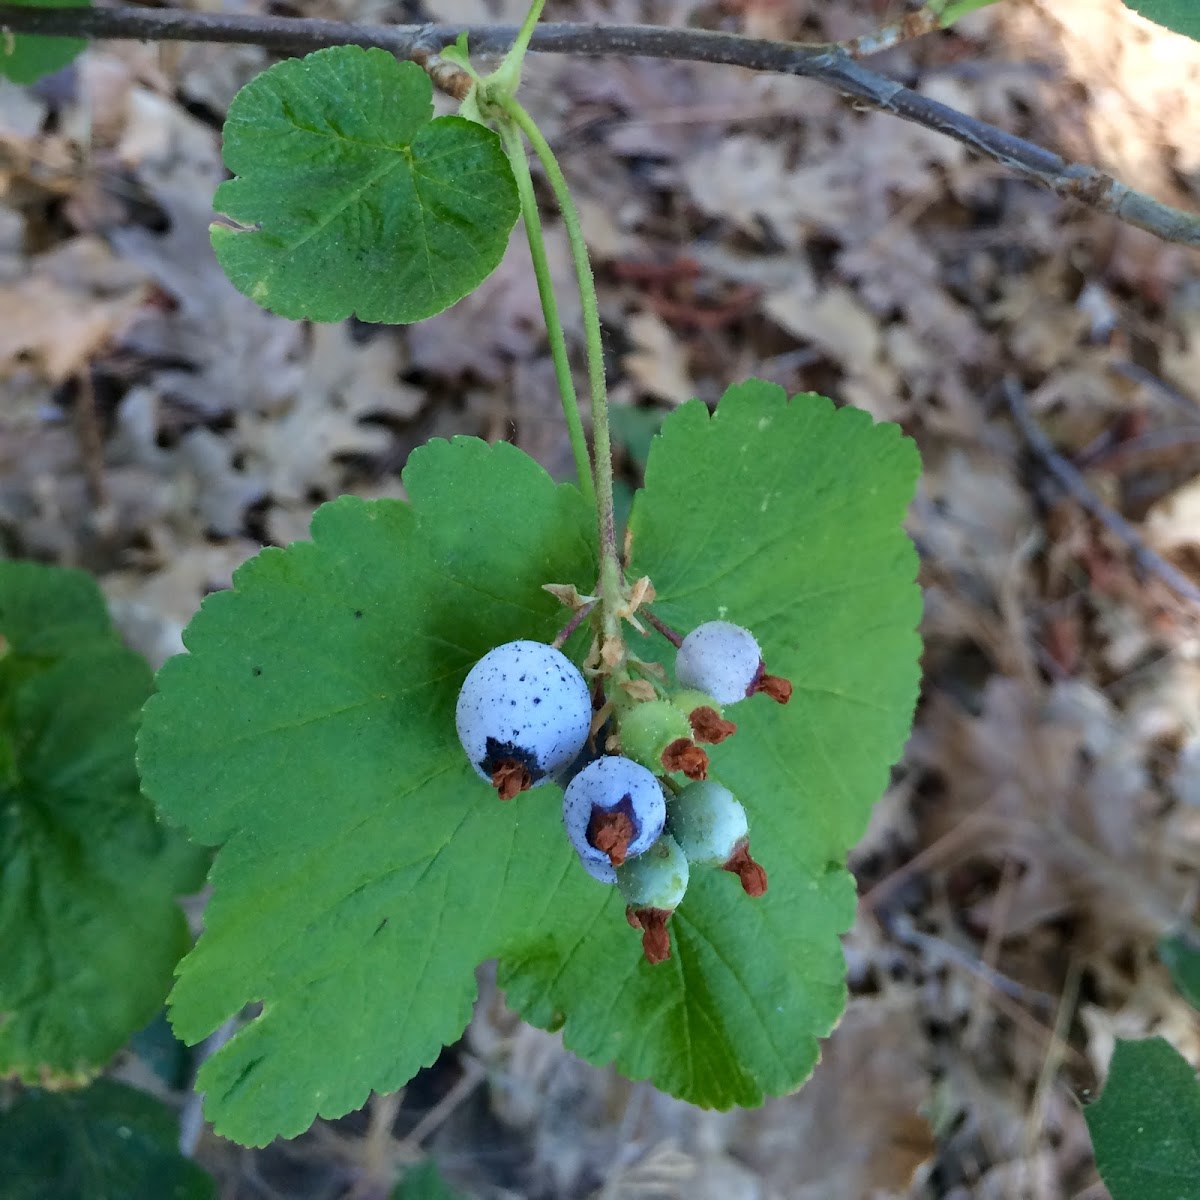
x: 690, y: 699
x: 707, y: 821
x: 658, y: 735
x: 657, y: 879
x: 710, y: 825
x: 705, y: 718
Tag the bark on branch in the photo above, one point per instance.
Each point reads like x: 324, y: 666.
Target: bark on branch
x: 831, y: 65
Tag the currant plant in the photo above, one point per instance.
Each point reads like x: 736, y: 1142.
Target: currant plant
x: 352, y: 708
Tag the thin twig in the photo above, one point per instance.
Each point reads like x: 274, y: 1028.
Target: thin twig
x: 1154, y: 443
x: 91, y: 441
x: 1073, y: 483
x: 1138, y: 374
x: 901, y: 927
x: 674, y: 638
x: 828, y: 64
x: 1052, y: 1064
x: 581, y: 615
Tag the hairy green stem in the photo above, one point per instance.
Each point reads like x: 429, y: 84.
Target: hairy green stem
x: 610, y: 564
x: 507, y: 76
x: 514, y: 147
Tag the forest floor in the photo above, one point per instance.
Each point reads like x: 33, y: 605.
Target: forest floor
x: 1042, y: 832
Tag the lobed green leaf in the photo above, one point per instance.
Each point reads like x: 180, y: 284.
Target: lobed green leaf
x: 349, y: 199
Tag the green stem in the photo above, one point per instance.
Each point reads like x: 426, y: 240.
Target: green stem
x: 610, y: 563
x: 516, y: 54
x: 515, y: 149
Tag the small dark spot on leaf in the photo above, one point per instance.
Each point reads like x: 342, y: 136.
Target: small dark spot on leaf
x: 256, y: 671
x: 380, y: 927
x: 358, y: 614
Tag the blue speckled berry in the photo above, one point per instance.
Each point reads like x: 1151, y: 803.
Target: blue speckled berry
x: 719, y: 658
x: 523, y: 713
x: 613, y: 810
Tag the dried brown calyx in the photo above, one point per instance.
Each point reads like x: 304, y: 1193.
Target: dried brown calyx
x: 684, y: 755
x: 611, y: 831
x: 510, y: 778
x: 775, y: 686
x: 751, y: 873
x: 656, y: 941
x: 709, y: 726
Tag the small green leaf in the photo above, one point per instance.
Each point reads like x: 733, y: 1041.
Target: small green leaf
x: 353, y: 200
x: 25, y: 58
x: 89, y: 928
x: 366, y: 869
x: 424, y: 1182
x: 1180, y: 953
x: 106, y: 1142
x: 1180, y: 16
x: 1146, y: 1125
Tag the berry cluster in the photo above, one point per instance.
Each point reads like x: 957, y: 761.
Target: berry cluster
x: 526, y: 715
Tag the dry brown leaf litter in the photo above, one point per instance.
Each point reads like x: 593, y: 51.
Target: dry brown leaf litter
x: 1042, y: 830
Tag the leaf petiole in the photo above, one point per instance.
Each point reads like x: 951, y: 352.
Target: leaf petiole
x: 610, y: 583
x: 514, y: 147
